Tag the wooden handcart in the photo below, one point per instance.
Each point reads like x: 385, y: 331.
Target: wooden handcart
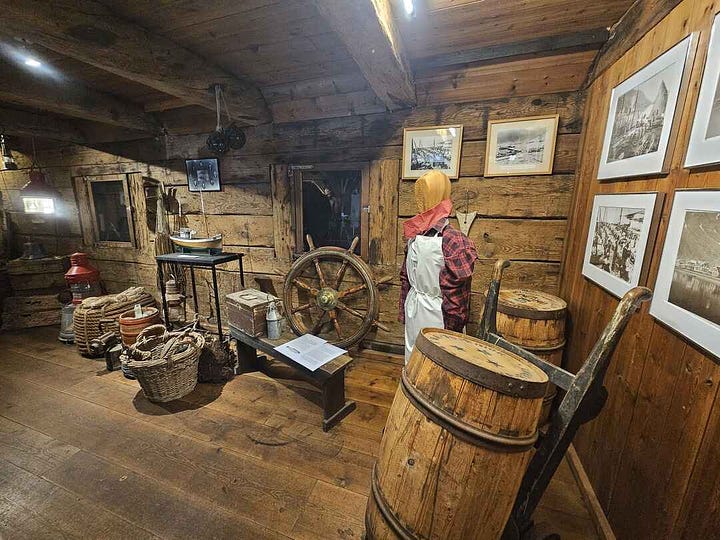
x: 584, y: 398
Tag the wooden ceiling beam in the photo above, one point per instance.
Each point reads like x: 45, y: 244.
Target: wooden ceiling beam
x: 49, y: 92
x: 589, y: 39
x: 46, y: 126
x: 368, y: 30
x: 88, y: 31
x: 642, y: 16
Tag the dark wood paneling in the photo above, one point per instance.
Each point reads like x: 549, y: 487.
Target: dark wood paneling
x: 648, y: 453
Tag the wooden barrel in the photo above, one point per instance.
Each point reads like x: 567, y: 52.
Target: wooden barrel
x: 535, y: 321
x: 457, y: 441
x: 130, y: 326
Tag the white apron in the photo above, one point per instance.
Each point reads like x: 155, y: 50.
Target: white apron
x: 423, y: 305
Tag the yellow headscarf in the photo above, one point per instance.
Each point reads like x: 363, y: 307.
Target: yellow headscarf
x: 431, y: 189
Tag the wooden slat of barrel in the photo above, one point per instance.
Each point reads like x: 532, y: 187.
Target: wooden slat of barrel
x: 457, y: 441
x: 531, y: 318
x: 535, y: 321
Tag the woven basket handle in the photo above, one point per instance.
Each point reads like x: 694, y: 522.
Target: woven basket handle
x: 152, y: 331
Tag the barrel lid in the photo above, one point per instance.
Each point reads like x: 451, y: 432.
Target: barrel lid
x: 531, y: 304
x: 483, y: 363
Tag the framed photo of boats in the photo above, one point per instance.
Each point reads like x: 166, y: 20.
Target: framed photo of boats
x: 640, y: 122
x: 622, y: 229
x: 704, y: 146
x: 521, y: 146
x: 431, y: 148
x: 687, y: 289
x: 203, y: 174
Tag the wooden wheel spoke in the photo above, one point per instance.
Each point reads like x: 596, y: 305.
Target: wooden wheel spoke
x: 303, y: 307
x: 320, y: 274
x: 318, y: 324
x: 336, y: 324
x: 341, y: 274
x: 316, y: 260
x: 350, y: 310
x: 301, y: 284
x: 341, y: 271
x: 351, y: 291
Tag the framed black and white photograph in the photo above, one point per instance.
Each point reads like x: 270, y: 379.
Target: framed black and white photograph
x: 203, y: 174
x: 521, y: 146
x: 622, y: 231
x: 432, y: 148
x: 640, y: 122
x: 687, y: 290
x: 704, y: 146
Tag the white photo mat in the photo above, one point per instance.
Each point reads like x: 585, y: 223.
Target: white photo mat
x: 523, y: 140
x: 704, y: 145
x: 622, y: 208
x: 431, y: 148
x: 701, y: 291
x: 668, y: 71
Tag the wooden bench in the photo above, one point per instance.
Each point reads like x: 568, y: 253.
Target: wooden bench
x: 329, y: 378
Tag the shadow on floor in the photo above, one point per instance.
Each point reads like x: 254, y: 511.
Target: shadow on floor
x: 198, y: 398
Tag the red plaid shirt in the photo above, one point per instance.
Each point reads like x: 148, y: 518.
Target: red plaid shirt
x: 455, y: 277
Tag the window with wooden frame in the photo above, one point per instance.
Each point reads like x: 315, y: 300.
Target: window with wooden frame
x: 110, y: 207
x: 331, y: 204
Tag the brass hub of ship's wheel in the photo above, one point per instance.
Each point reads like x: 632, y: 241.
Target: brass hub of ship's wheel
x: 330, y: 291
x: 327, y: 298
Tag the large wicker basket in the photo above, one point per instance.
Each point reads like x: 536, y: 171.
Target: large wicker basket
x: 165, y: 363
x: 100, y: 314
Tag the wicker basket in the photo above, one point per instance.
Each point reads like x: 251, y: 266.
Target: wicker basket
x: 165, y: 363
x: 100, y: 314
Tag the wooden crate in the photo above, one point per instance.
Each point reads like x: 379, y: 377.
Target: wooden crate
x: 246, y: 310
x: 30, y: 311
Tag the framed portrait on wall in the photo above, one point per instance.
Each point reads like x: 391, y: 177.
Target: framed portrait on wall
x: 640, y: 121
x: 203, y: 174
x: 704, y: 145
x: 687, y: 290
x: 622, y: 231
x: 431, y: 148
x: 521, y: 146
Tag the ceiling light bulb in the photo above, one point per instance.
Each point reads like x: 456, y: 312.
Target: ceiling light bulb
x: 32, y: 63
x: 409, y: 8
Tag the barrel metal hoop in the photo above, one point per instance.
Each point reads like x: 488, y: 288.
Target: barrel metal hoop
x: 398, y: 528
x: 479, y: 375
x: 527, y: 313
x: 461, y: 429
x: 544, y: 350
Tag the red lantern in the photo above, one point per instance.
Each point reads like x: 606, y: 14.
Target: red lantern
x: 82, y: 278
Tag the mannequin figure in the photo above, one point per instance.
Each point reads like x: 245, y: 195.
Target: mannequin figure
x: 438, y: 266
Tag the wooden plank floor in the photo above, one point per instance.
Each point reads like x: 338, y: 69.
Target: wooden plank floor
x: 84, y: 454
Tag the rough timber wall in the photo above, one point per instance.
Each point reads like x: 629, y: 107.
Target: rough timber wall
x: 652, y: 453
x: 521, y: 218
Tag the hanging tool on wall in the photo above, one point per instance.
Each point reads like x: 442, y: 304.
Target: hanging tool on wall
x: 466, y: 218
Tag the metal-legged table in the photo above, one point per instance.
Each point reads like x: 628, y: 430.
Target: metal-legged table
x: 203, y: 261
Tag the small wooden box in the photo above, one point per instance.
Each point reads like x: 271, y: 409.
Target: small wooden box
x: 247, y: 309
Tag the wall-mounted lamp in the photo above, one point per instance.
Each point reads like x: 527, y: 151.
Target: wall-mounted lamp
x: 38, y: 195
x: 8, y: 161
x: 409, y: 7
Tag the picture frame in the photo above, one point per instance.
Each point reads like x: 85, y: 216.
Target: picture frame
x: 641, y: 124
x: 431, y: 148
x: 203, y: 174
x: 686, y: 289
x: 704, y: 144
x: 521, y: 146
x: 622, y: 232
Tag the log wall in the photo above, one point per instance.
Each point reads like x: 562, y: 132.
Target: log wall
x: 522, y: 218
x: 652, y: 453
